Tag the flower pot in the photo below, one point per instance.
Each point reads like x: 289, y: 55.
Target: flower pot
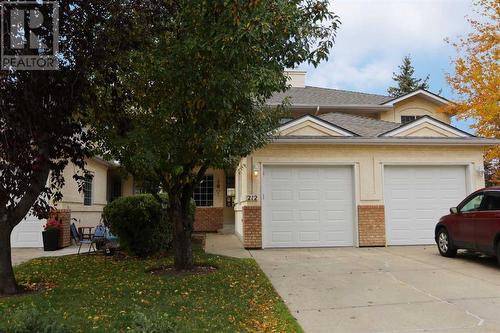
x: 50, y: 240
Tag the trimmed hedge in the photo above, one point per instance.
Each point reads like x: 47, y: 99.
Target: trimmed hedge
x: 138, y: 222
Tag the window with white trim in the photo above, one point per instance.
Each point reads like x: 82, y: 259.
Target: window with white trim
x: 204, y: 193
x: 87, y: 189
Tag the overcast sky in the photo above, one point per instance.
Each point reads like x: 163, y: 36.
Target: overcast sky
x: 376, y: 34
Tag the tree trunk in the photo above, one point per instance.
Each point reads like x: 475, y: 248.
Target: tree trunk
x: 182, y: 219
x: 8, y: 285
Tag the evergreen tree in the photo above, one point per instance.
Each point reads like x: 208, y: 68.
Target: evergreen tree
x: 405, y: 80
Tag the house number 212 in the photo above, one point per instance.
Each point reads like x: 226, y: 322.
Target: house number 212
x: 251, y: 198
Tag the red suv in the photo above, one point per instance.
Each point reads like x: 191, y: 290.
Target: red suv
x: 473, y: 225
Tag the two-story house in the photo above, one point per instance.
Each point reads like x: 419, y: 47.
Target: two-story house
x: 346, y: 169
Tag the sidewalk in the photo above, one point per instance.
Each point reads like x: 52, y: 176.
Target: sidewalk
x: 20, y: 255
x: 225, y: 245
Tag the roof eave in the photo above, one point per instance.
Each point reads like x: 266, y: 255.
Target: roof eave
x: 389, y: 141
x: 358, y: 107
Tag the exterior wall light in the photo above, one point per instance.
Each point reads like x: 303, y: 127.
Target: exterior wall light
x: 255, y: 169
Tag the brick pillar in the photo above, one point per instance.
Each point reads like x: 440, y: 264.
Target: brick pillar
x: 371, y: 225
x: 208, y: 219
x: 63, y: 216
x: 252, y: 227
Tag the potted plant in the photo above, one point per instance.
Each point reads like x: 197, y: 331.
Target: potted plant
x: 51, y: 235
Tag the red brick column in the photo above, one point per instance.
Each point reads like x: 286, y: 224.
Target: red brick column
x: 63, y: 216
x: 371, y: 225
x: 252, y: 227
x: 208, y: 219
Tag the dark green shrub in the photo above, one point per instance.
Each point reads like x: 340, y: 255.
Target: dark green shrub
x: 29, y: 319
x: 138, y: 222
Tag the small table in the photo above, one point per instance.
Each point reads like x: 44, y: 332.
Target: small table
x: 85, y: 232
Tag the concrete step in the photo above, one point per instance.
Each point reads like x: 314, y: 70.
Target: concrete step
x: 227, y: 229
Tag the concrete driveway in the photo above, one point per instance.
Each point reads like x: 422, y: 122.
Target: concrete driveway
x: 396, y: 289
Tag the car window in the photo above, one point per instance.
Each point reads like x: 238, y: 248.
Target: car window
x: 491, y: 201
x: 473, y: 204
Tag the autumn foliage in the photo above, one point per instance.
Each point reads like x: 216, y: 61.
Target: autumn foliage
x: 477, y: 77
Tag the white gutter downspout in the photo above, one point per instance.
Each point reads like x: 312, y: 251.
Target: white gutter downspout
x: 317, y: 111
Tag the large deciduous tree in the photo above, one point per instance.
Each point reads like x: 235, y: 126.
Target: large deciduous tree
x: 476, y: 78
x: 406, y: 83
x: 41, y: 117
x: 194, y: 94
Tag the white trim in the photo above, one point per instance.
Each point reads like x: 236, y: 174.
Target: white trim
x: 400, y: 141
x: 417, y: 92
x: 426, y: 120
x: 316, y: 121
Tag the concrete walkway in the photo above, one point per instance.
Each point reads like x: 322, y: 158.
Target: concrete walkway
x: 395, y: 289
x: 20, y: 255
x: 225, y: 245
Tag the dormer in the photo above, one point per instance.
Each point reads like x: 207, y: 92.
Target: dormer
x: 414, y: 105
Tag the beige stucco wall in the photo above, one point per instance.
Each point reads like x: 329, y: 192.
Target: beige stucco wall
x: 427, y: 130
x: 368, y: 163
x: 415, y: 106
x: 243, y: 179
x: 73, y: 199
x: 308, y: 128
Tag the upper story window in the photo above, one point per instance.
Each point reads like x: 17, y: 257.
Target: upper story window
x: 87, y: 190
x: 408, y: 119
x: 204, y: 193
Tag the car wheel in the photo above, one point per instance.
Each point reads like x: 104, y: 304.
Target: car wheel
x: 445, y: 245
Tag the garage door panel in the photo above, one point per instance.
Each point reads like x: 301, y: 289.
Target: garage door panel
x: 321, y: 201
x: 28, y: 233
x: 416, y: 197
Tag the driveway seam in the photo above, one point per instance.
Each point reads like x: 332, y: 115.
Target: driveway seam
x: 467, y: 312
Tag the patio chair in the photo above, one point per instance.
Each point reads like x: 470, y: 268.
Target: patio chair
x: 74, y: 233
x: 98, y: 236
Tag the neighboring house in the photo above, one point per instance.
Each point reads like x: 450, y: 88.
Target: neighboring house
x: 345, y: 169
x: 86, y: 206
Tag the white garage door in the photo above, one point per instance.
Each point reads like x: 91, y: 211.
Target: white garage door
x: 416, y: 197
x: 28, y: 233
x: 308, y: 206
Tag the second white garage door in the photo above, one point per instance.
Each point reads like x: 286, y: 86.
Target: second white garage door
x: 416, y: 197
x: 308, y: 206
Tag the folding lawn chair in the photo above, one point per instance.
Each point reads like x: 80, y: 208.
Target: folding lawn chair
x: 97, y: 237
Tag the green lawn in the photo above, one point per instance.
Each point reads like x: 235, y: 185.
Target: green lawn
x: 95, y: 294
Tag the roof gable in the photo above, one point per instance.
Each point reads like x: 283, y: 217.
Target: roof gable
x: 426, y: 127
x: 420, y: 92
x: 309, y: 125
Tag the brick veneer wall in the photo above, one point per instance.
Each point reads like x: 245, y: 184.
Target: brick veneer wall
x: 371, y: 225
x: 63, y: 216
x: 208, y: 219
x: 252, y: 227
